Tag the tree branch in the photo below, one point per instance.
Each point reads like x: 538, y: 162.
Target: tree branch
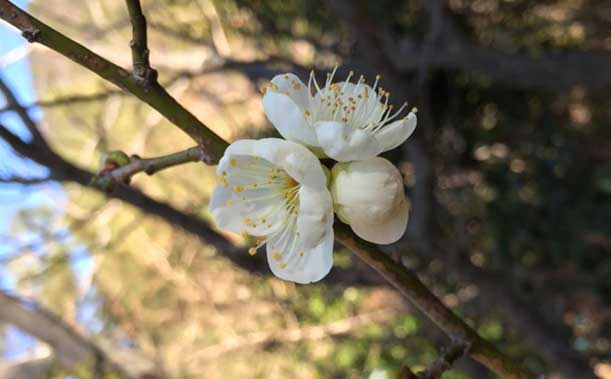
x: 150, y: 166
x: 62, y: 170
x: 70, y: 347
x: 25, y: 181
x: 13, y: 103
x: 414, y: 290
x: 407, y: 283
x: 139, y: 44
x: 447, y: 358
x: 154, y: 95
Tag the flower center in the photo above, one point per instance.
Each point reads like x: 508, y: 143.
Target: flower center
x: 354, y: 104
x: 265, y: 193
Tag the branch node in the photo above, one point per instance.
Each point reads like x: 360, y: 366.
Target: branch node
x: 31, y: 34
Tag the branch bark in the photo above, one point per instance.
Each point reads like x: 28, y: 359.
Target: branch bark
x: 150, y: 166
x: 407, y: 283
x: 153, y: 94
x: 139, y: 44
x: 413, y: 289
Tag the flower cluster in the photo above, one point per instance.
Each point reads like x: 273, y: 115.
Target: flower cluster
x: 278, y: 191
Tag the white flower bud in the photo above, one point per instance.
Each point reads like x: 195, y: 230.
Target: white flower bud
x: 369, y: 196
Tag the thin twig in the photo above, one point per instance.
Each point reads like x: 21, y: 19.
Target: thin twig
x: 454, y: 352
x: 139, y: 44
x: 25, y: 181
x: 150, y: 166
x: 13, y: 103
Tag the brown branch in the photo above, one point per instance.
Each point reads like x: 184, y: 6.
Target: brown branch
x: 153, y: 94
x: 62, y: 170
x: 407, y: 283
x: 139, y: 44
x: 13, y: 103
x: 447, y: 358
x: 150, y: 166
x: 414, y: 290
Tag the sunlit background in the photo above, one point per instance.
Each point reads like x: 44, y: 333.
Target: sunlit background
x: 509, y: 174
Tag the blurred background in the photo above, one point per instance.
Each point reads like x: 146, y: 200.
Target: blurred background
x: 508, y: 172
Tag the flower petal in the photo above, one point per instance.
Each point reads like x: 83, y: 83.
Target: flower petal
x: 315, y: 216
x: 288, y: 118
x: 311, y: 266
x: 344, y: 143
x: 300, y: 163
x: 242, y: 212
x: 395, y: 133
x: 289, y: 84
x: 383, y: 232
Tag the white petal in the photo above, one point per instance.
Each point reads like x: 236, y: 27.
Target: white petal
x: 233, y: 216
x: 383, y: 232
x: 310, y: 267
x: 315, y: 217
x: 288, y: 118
x: 300, y: 163
x: 344, y: 143
x: 225, y: 218
x: 293, y: 86
x: 395, y: 133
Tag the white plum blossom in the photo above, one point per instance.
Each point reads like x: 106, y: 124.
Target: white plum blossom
x: 348, y: 121
x: 369, y: 196
x: 276, y: 190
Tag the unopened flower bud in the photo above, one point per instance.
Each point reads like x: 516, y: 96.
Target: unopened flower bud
x: 369, y: 196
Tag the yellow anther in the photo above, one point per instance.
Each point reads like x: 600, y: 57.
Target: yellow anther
x: 238, y: 189
x: 245, y: 234
x: 247, y: 220
x: 229, y: 202
x: 222, y: 181
x: 307, y: 113
x: 276, y: 255
x: 378, y: 77
x: 283, y: 265
x: 301, y: 254
x: 351, y: 73
x: 414, y: 109
x: 263, y: 90
x: 252, y: 251
x: 233, y: 162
